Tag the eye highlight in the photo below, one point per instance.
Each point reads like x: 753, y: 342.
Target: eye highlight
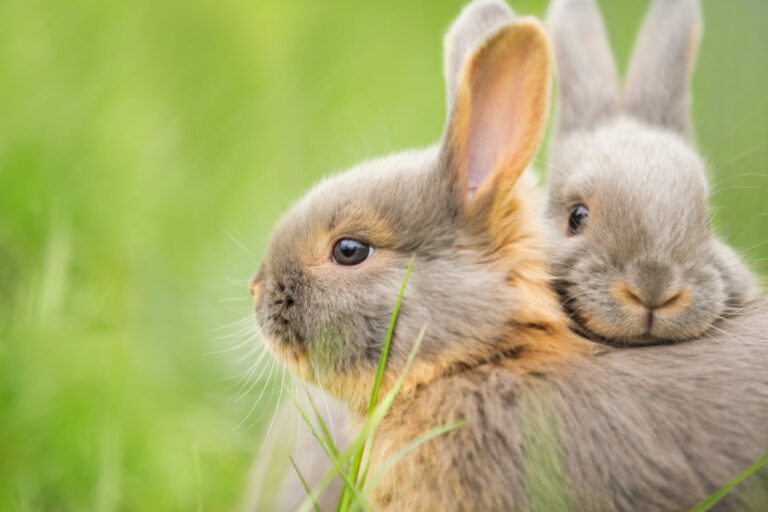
x: 350, y: 252
x: 577, y: 219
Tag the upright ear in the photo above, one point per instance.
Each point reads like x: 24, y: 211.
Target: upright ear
x: 500, y: 110
x: 658, y: 81
x: 586, y: 72
x: 478, y: 19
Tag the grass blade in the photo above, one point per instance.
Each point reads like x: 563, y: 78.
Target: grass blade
x: 412, y: 445
x: 305, y: 485
x: 711, y: 500
x: 344, y: 500
x: 377, y: 415
x: 336, y: 459
x: 323, y: 427
x: 388, y: 340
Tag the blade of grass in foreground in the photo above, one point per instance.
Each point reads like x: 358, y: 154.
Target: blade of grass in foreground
x: 357, y: 459
x: 304, y: 484
x: 377, y: 415
x: 711, y: 500
x: 336, y: 460
x: 412, y: 445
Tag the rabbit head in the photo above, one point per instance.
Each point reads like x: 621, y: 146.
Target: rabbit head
x: 636, y: 260
x: 325, y: 291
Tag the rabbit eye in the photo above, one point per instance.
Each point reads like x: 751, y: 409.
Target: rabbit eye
x: 577, y: 219
x: 349, y: 252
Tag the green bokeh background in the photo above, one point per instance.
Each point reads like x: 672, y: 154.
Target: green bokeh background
x: 147, y: 147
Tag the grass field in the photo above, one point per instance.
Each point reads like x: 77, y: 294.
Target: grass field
x: 146, y: 148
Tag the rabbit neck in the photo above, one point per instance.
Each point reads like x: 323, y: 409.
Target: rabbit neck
x: 535, y: 336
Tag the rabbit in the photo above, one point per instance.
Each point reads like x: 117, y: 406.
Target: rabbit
x: 552, y: 419
x: 635, y: 257
x: 478, y: 18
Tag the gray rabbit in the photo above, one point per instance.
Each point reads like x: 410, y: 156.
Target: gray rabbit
x: 635, y: 257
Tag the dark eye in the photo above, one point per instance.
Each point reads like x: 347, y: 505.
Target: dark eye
x: 349, y: 252
x: 577, y: 219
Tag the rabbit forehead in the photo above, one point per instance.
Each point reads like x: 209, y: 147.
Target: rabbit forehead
x: 645, y: 188
x: 382, y: 201
x: 629, y: 161
x: 635, y: 157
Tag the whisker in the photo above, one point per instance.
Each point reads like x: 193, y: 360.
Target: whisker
x: 237, y: 282
x: 325, y: 401
x: 229, y: 325
x: 272, y: 366
x: 238, y: 242
x: 234, y: 347
x: 234, y: 299
x: 274, y: 415
x: 249, y: 329
x: 242, y: 393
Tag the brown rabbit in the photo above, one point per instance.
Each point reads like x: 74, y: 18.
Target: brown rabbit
x: 552, y: 420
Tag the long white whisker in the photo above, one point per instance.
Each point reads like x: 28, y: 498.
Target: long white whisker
x: 231, y: 324
x: 258, y: 399
x: 234, y: 348
x: 243, y: 392
x: 274, y: 415
x: 238, y: 242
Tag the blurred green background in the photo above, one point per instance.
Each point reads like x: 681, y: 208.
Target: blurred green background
x: 147, y: 147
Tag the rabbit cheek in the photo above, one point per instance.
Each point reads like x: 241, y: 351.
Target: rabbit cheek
x: 704, y: 306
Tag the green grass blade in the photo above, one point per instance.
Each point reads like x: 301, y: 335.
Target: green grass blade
x: 318, y: 435
x: 388, y: 340
x: 357, y: 459
x: 412, y: 445
x: 378, y: 414
x: 711, y: 500
x: 323, y: 427
x: 335, y: 457
x: 304, y: 484
x: 324, y: 482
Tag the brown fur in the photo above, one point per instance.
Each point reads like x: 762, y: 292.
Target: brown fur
x: 552, y: 419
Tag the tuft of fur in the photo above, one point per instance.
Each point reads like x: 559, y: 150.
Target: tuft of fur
x: 646, y: 268
x: 553, y: 419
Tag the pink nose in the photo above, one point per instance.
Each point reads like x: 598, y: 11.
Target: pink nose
x: 255, y: 290
x: 670, y: 300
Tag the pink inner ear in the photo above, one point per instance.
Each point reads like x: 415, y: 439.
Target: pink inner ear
x: 493, y: 122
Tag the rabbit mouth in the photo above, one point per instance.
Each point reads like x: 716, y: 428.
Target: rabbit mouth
x: 581, y: 326
x: 650, y: 335
x: 644, y: 339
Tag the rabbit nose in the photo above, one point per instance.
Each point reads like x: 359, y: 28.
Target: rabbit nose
x: 652, y: 298
x: 255, y: 285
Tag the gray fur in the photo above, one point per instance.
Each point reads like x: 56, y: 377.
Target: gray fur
x: 658, y: 80
x: 344, y: 314
x: 476, y: 21
x: 642, y: 180
x: 650, y: 428
x: 586, y: 72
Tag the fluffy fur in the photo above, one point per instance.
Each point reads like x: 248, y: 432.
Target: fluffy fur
x: 646, y: 267
x: 553, y: 419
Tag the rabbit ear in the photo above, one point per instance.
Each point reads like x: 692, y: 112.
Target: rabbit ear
x: 586, y: 71
x: 658, y: 81
x: 478, y: 19
x: 500, y: 110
